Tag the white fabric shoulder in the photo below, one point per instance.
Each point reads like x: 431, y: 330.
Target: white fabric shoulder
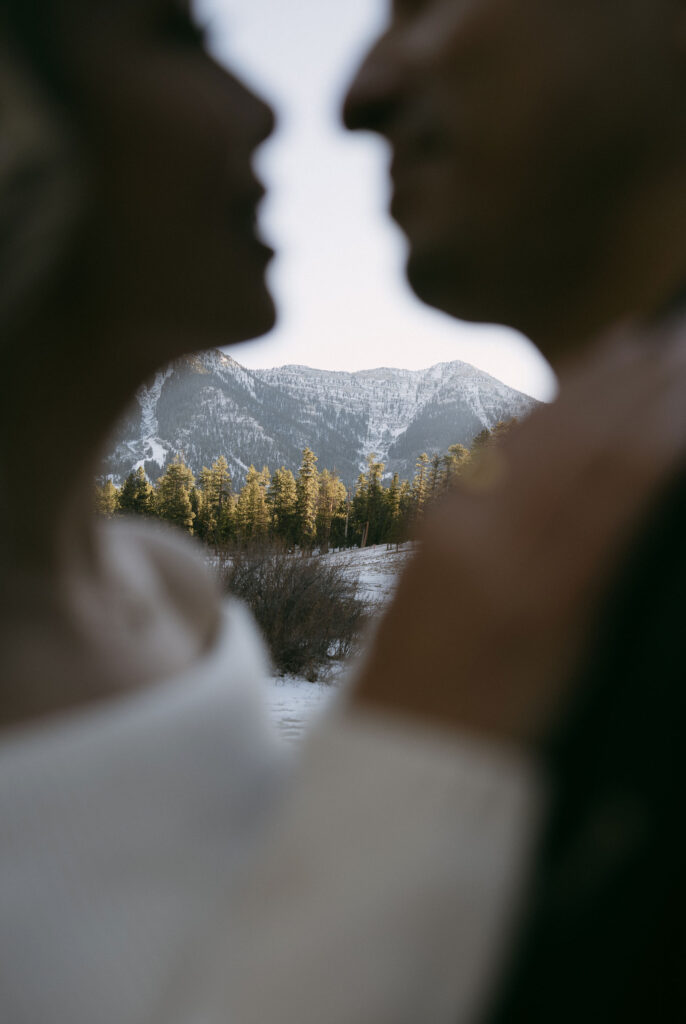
x: 122, y: 829
x: 390, y: 887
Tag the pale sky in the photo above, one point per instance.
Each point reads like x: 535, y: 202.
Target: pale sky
x: 338, y: 277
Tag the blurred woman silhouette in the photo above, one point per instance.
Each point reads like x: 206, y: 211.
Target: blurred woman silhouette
x: 128, y: 235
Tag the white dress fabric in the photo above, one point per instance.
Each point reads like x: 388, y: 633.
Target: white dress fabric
x: 165, y: 859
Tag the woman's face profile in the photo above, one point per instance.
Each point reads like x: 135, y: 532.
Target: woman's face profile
x: 168, y: 138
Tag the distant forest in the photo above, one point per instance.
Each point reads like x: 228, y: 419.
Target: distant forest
x: 311, y: 510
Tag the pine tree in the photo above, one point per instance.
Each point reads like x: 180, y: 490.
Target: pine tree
x: 215, y: 509
x: 454, y: 463
x: 406, y: 509
x: 502, y: 427
x: 195, y: 496
x: 482, y: 440
x: 307, y: 497
x: 106, y: 499
x: 223, y: 498
x: 339, y: 523
x: 420, y: 486
x: 281, y: 500
x: 127, y: 493
x: 331, y: 509
x: 377, y: 503
x: 485, y: 461
x: 370, y: 505
x: 265, y: 478
x: 435, y: 478
x: 172, y: 495
x: 360, y: 509
x: 201, y: 502
x: 252, y: 513
x: 394, y: 531
x: 137, y: 496
x: 486, y: 438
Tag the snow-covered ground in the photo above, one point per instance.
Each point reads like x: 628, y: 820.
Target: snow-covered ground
x: 294, y: 703
x: 378, y: 569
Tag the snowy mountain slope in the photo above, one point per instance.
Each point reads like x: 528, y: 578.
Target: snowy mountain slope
x: 208, y: 405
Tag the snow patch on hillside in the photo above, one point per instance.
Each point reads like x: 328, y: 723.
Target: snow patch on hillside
x: 213, y: 406
x: 473, y: 396
x: 153, y: 448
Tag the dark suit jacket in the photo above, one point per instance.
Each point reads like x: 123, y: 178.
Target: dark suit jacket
x: 605, y: 936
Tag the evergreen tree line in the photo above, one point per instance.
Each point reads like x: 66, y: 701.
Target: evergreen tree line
x: 310, y: 510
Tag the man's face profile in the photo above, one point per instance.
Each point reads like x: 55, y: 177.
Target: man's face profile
x: 523, y: 133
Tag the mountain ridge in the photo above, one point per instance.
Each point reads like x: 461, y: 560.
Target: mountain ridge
x: 208, y: 404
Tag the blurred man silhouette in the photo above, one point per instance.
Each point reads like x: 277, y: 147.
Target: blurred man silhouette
x: 539, y: 174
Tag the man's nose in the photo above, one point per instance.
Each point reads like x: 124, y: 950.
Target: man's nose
x: 374, y: 92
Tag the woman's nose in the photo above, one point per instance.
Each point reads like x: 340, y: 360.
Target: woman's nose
x: 249, y: 114
x: 261, y: 117
x: 265, y: 119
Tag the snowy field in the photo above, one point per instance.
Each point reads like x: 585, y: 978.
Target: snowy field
x: 295, y: 703
x: 378, y: 569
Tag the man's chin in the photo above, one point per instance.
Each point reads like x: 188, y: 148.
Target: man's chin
x: 441, y: 281
x: 457, y: 284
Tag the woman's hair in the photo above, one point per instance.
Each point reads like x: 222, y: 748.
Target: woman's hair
x: 40, y: 180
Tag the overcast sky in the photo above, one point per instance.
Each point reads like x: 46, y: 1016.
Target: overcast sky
x: 338, y: 277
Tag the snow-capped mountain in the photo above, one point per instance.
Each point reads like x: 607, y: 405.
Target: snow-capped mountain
x: 208, y: 405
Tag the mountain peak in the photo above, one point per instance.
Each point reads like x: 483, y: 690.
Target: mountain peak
x: 208, y: 404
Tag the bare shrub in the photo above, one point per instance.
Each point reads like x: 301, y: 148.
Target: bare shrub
x: 305, y: 604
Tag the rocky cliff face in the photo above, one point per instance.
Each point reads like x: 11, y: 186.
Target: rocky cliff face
x: 209, y: 405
